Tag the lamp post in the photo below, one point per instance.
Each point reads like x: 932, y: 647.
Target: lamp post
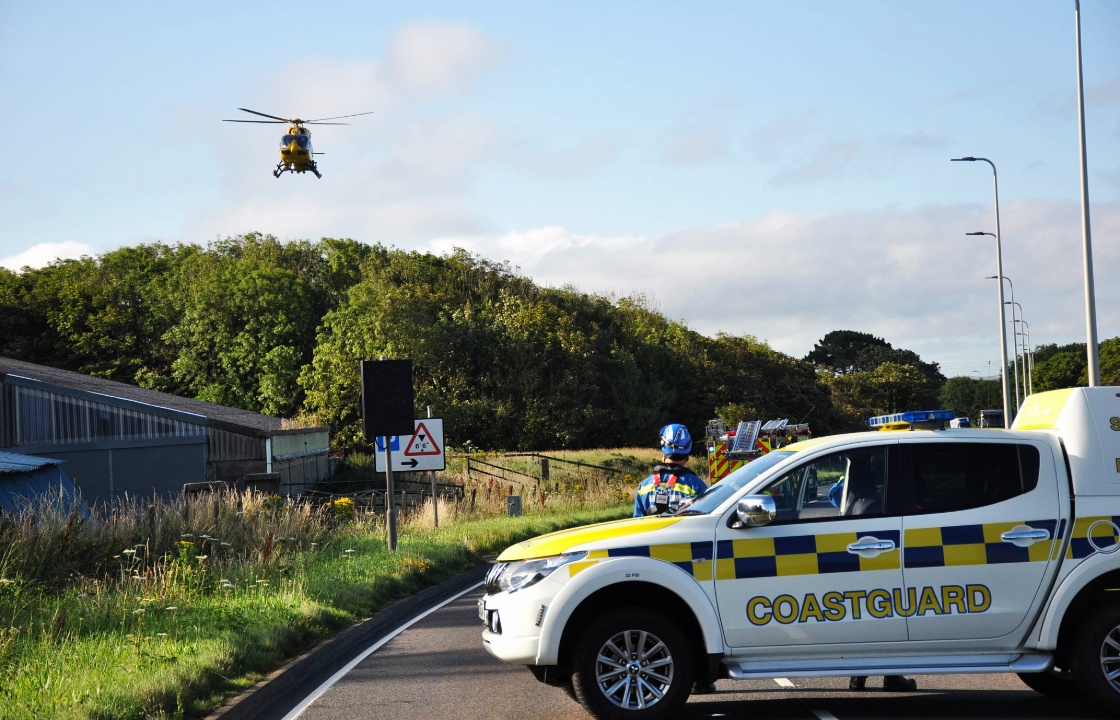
x: 1015, y: 357
x: 1091, y: 347
x: 1002, y: 316
x: 1015, y: 342
x: 1028, y: 358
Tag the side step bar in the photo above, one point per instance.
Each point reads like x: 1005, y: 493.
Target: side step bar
x: 935, y: 665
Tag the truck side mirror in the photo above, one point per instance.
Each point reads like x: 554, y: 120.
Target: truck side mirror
x: 756, y: 510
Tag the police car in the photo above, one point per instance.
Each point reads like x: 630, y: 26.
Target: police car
x: 946, y: 551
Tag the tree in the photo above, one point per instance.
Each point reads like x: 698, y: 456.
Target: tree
x: 1110, y: 362
x: 1065, y: 366
x: 25, y: 332
x: 245, y: 326
x: 1059, y: 367
x: 749, y: 380
x: 848, y: 351
x: 968, y: 396
x: 902, y: 387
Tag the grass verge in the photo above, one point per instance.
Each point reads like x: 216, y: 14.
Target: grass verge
x: 165, y: 612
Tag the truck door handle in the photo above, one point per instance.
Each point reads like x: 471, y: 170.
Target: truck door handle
x: 1024, y: 535
x: 870, y: 545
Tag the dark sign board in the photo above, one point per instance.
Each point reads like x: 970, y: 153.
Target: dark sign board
x: 387, y: 398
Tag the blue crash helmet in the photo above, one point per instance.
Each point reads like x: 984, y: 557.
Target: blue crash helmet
x: 675, y: 440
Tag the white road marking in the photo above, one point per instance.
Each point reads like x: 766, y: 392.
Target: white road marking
x: 307, y: 701
x: 824, y: 715
x: 784, y: 682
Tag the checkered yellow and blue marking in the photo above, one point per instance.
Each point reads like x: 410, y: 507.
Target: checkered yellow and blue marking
x: 800, y: 555
x: 694, y: 558
x: 1104, y: 531
x: 981, y: 544
x: 811, y: 554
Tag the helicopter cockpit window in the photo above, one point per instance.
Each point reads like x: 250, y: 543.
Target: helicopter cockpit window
x: 301, y: 141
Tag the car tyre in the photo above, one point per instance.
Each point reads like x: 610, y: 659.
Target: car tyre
x: 632, y: 663
x: 1096, y: 658
x: 1053, y: 683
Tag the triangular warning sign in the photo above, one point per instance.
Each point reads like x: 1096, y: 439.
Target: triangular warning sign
x: 422, y: 443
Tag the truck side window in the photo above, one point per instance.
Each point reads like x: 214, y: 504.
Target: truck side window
x: 957, y: 476
x: 844, y: 484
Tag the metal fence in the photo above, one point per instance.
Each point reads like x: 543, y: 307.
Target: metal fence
x: 545, y: 478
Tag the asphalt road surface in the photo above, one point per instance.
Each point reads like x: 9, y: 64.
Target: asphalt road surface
x: 437, y: 669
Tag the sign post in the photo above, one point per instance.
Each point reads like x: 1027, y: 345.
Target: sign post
x: 419, y: 451
x: 435, y: 495
x: 387, y: 398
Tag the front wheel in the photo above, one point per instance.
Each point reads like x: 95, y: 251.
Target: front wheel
x: 1096, y: 658
x: 632, y: 663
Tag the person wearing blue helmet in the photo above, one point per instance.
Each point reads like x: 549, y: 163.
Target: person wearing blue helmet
x: 671, y: 484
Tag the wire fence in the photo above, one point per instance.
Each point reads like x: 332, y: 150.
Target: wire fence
x: 473, y: 481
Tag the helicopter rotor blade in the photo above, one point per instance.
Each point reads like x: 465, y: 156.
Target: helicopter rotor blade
x: 336, y: 117
x: 263, y: 122
x: 278, y: 119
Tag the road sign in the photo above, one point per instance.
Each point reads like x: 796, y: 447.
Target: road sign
x: 387, y: 397
x: 422, y: 450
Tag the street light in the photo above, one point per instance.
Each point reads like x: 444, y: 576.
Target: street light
x: 1014, y: 342
x: 1002, y: 317
x: 1028, y: 361
x: 1091, y: 348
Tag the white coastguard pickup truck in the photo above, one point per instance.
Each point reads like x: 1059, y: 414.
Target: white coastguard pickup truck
x: 948, y: 551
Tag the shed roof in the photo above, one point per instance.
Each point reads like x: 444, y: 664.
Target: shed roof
x: 15, y: 463
x: 28, y: 482
x: 216, y: 415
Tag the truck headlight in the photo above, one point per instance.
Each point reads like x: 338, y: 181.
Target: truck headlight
x: 523, y: 573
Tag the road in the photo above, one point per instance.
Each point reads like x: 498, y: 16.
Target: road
x: 436, y: 669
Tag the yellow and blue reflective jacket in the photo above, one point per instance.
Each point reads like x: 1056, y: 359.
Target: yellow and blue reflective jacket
x: 667, y: 488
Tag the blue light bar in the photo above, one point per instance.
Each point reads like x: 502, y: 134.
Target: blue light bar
x: 912, y: 417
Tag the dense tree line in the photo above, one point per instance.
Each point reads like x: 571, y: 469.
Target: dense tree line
x: 1050, y: 367
x: 280, y: 328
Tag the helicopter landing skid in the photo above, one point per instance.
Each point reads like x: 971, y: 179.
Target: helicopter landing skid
x: 282, y: 168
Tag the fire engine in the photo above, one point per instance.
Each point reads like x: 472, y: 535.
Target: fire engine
x: 729, y: 451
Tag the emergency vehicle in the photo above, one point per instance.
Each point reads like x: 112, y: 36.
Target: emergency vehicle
x: 730, y: 450
x: 951, y: 551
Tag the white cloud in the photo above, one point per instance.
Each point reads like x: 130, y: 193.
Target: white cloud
x: 426, y: 58
x: 43, y: 254
x: 909, y: 276
x: 431, y: 157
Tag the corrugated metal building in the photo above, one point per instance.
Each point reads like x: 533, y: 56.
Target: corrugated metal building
x: 121, y: 439
x: 28, y: 482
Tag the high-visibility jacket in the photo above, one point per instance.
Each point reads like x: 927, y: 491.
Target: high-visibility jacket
x: 667, y: 488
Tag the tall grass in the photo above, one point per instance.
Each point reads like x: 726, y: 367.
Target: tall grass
x: 162, y: 610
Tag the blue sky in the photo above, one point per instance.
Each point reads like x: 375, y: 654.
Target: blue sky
x: 777, y: 169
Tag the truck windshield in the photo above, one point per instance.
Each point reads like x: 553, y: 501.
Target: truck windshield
x: 716, y: 494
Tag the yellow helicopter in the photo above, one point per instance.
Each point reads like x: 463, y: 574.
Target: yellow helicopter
x: 296, y: 154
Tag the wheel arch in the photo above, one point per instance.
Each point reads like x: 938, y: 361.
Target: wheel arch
x: 636, y: 594
x: 1074, y: 604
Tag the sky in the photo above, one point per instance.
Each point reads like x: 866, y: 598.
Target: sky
x: 772, y: 169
